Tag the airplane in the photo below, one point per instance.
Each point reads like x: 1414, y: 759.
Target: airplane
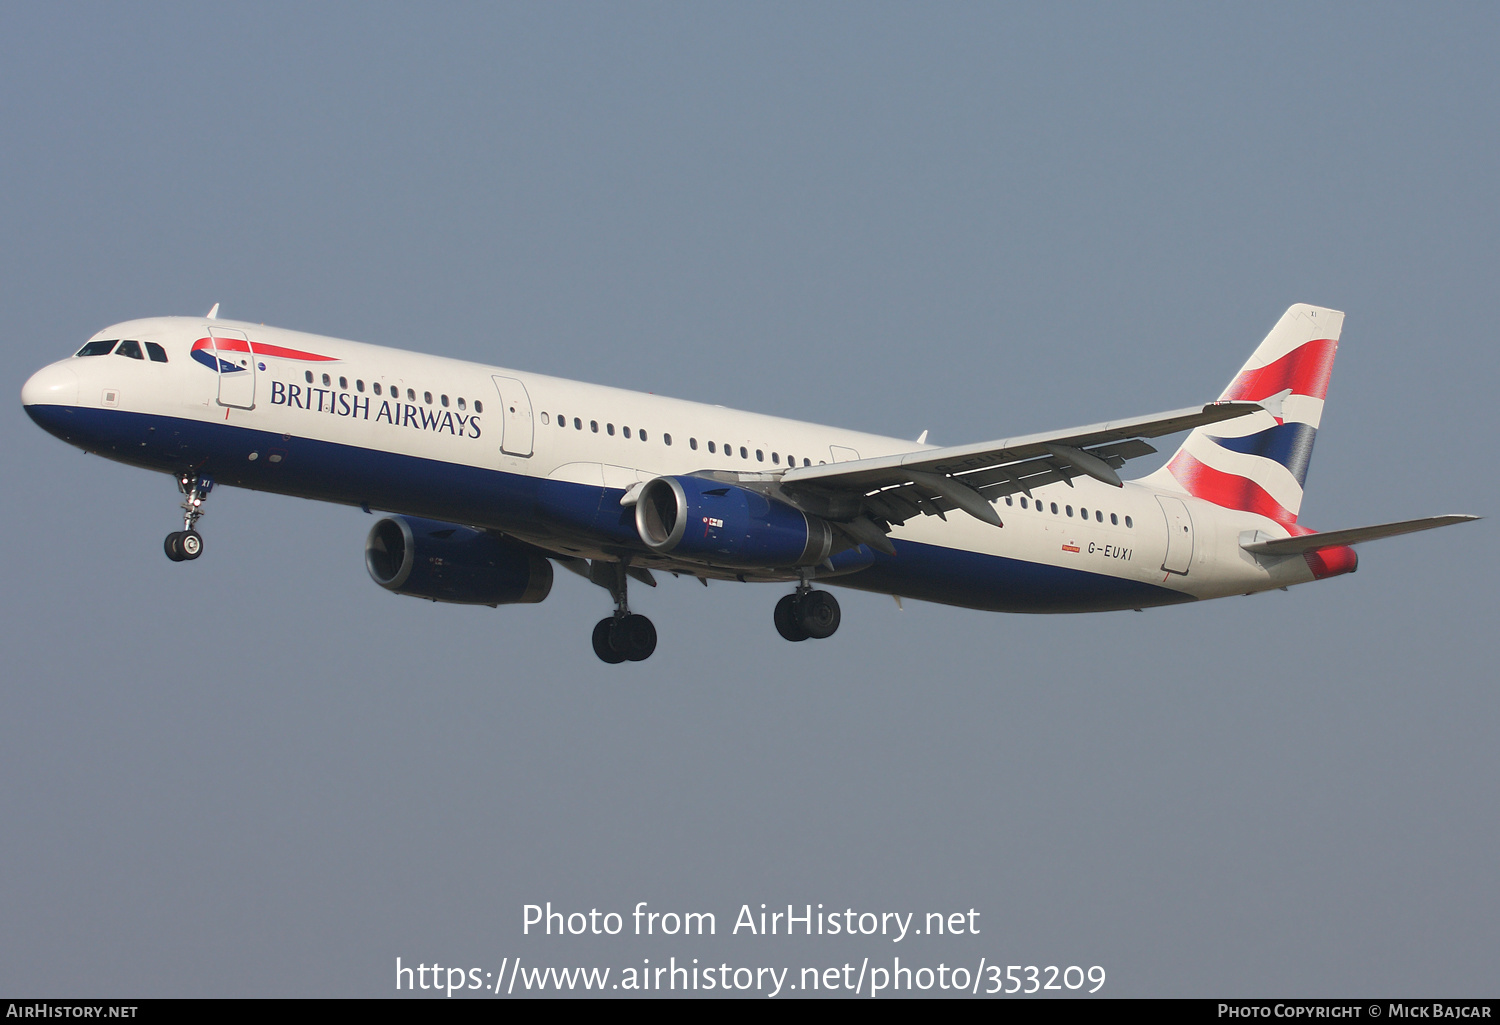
x: 487, y: 476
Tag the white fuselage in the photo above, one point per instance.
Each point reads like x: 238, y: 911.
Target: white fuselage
x: 547, y: 460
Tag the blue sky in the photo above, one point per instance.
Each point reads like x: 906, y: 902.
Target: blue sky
x: 261, y: 775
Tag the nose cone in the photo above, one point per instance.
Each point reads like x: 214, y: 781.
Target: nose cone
x: 56, y: 385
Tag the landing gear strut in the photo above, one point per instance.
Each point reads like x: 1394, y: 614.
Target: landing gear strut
x: 807, y: 613
x: 624, y: 636
x: 187, y: 544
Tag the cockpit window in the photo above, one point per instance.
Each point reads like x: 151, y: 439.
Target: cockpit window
x: 98, y: 348
x: 130, y: 347
x: 157, y: 353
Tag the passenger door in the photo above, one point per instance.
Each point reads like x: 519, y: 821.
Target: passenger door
x: 515, y: 411
x: 236, y: 367
x: 1179, y: 555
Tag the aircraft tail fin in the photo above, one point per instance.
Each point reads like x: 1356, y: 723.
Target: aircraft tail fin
x: 1258, y: 463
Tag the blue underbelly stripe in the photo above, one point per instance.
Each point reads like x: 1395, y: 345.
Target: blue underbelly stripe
x: 539, y: 508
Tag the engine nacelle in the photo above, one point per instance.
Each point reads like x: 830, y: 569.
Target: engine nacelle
x: 446, y: 562
x: 726, y: 525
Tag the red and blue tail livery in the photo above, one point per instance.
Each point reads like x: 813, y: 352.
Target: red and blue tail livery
x: 1259, y: 463
x: 622, y: 486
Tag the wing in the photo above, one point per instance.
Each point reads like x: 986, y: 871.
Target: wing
x: 865, y: 497
x: 1352, y: 536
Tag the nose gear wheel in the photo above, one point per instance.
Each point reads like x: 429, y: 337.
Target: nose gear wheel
x: 186, y: 544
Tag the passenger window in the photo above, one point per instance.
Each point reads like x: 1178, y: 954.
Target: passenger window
x: 775, y: 458
x: 461, y: 403
x: 156, y: 352
x: 98, y: 348
x: 1008, y: 501
x: 1023, y: 502
x: 1070, y: 510
x: 359, y: 385
x: 693, y: 444
x: 427, y: 397
x: 625, y: 431
x: 562, y: 422
x: 808, y: 462
x: 1128, y: 523
x: 130, y: 348
x: 411, y: 395
x: 344, y: 383
x: 609, y: 429
x: 1114, y: 520
x: 643, y: 435
x: 593, y: 425
x: 326, y: 381
x: 1098, y: 516
x: 1054, y: 508
x: 744, y: 454
x: 478, y: 406
x: 307, y: 376
x: 710, y: 447
x: 760, y: 456
x: 445, y: 401
x: 545, y: 420
x: 667, y: 440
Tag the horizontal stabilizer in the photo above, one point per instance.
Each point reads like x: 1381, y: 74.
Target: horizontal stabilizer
x: 1353, y: 536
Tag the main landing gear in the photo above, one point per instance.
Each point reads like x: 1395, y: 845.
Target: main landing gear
x: 807, y: 613
x: 625, y: 636
x: 621, y: 638
x: 186, y: 544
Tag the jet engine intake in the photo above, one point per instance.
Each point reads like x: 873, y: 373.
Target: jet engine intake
x: 726, y: 525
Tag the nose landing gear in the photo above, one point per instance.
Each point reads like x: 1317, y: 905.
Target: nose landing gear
x: 187, y: 544
x: 807, y: 613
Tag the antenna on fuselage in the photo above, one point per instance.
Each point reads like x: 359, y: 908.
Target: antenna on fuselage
x: 213, y: 314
